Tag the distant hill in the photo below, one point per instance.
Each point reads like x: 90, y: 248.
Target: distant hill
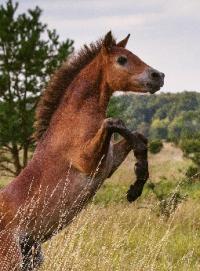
x: 169, y: 116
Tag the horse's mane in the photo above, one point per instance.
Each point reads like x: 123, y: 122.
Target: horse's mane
x: 58, y: 84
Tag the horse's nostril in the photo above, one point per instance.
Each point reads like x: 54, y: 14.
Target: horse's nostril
x: 155, y: 75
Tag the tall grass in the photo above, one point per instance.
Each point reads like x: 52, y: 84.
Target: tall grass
x: 111, y: 234
x: 128, y: 237
x: 160, y: 231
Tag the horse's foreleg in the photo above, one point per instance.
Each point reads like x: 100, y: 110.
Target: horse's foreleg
x: 139, y: 143
x: 120, y: 152
x: 99, y: 145
x: 97, y: 148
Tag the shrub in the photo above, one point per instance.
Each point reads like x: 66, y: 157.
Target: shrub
x: 191, y: 148
x: 191, y: 171
x: 155, y: 146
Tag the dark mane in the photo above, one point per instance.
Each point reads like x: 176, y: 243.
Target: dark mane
x: 59, y: 83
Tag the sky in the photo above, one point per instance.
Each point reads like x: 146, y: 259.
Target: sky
x: 164, y: 33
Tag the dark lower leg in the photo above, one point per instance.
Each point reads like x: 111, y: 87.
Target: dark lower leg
x: 139, y: 145
x: 99, y: 145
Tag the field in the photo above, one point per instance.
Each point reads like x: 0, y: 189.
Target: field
x: 158, y: 232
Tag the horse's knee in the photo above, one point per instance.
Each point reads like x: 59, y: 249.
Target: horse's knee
x: 32, y: 256
x: 141, y: 137
x: 114, y: 125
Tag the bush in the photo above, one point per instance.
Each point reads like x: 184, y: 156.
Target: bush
x: 190, y: 145
x: 191, y: 171
x: 155, y: 146
x: 191, y: 148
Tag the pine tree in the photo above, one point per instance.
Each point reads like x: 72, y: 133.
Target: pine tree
x: 29, y: 53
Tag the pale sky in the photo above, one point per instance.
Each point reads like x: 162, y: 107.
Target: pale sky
x: 164, y: 33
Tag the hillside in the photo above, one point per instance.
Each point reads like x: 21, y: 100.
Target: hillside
x: 164, y: 116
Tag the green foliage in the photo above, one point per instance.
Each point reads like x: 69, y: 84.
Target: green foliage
x: 163, y: 115
x: 185, y: 125
x: 173, y: 117
x: 159, y: 129
x: 29, y: 53
x: 190, y: 145
x: 155, y: 146
x: 191, y: 148
x: 111, y: 193
x: 191, y: 171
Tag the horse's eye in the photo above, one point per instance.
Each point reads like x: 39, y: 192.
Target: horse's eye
x: 122, y: 60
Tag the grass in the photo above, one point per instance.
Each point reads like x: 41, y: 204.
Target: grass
x: 160, y: 231
x: 111, y: 234
x: 127, y: 237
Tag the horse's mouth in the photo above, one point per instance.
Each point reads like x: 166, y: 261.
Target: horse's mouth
x: 152, y: 88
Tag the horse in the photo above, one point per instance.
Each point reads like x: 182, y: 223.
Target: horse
x: 74, y: 153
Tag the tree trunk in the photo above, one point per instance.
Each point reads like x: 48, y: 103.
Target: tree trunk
x: 15, y: 155
x: 25, y: 155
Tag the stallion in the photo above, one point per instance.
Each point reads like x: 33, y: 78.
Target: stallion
x: 74, y: 152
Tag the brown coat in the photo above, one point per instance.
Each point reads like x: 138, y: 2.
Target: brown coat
x: 74, y: 152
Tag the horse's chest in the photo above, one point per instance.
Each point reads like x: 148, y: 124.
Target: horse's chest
x: 71, y: 194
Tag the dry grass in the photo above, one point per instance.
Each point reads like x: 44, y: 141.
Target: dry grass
x: 111, y: 234
x: 126, y: 237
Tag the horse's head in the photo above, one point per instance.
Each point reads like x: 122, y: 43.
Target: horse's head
x: 127, y: 72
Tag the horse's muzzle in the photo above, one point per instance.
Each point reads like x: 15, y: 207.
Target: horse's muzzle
x: 155, y: 80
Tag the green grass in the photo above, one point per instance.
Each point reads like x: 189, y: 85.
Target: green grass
x: 126, y: 237
x: 158, y: 232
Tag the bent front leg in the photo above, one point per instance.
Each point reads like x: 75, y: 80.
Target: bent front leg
x: 98, y: 147
x: 121, y: 150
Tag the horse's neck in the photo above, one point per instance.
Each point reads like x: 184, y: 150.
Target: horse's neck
x: 84, y: 105
x: 82, y: 109
x: 89, y: 90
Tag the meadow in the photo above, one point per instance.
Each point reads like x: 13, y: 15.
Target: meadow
x: 160, y: 231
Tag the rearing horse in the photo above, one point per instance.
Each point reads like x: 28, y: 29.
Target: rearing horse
x: 74, y: 152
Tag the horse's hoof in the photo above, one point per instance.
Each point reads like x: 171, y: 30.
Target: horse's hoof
x: 134, y: 192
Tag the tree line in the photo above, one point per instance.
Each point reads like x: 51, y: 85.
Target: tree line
x: 173, y: 117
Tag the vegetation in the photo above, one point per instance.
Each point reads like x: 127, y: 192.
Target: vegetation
x: 26, y: 61
x: 155, y: 146
x: 158, y: 232
x: 170, y: 117
x: 29, y: 53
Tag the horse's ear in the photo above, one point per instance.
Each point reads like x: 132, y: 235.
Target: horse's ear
x: 123, y: 42
x: 108, y: 42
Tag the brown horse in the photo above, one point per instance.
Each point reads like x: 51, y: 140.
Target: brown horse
x: 74, y: 153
